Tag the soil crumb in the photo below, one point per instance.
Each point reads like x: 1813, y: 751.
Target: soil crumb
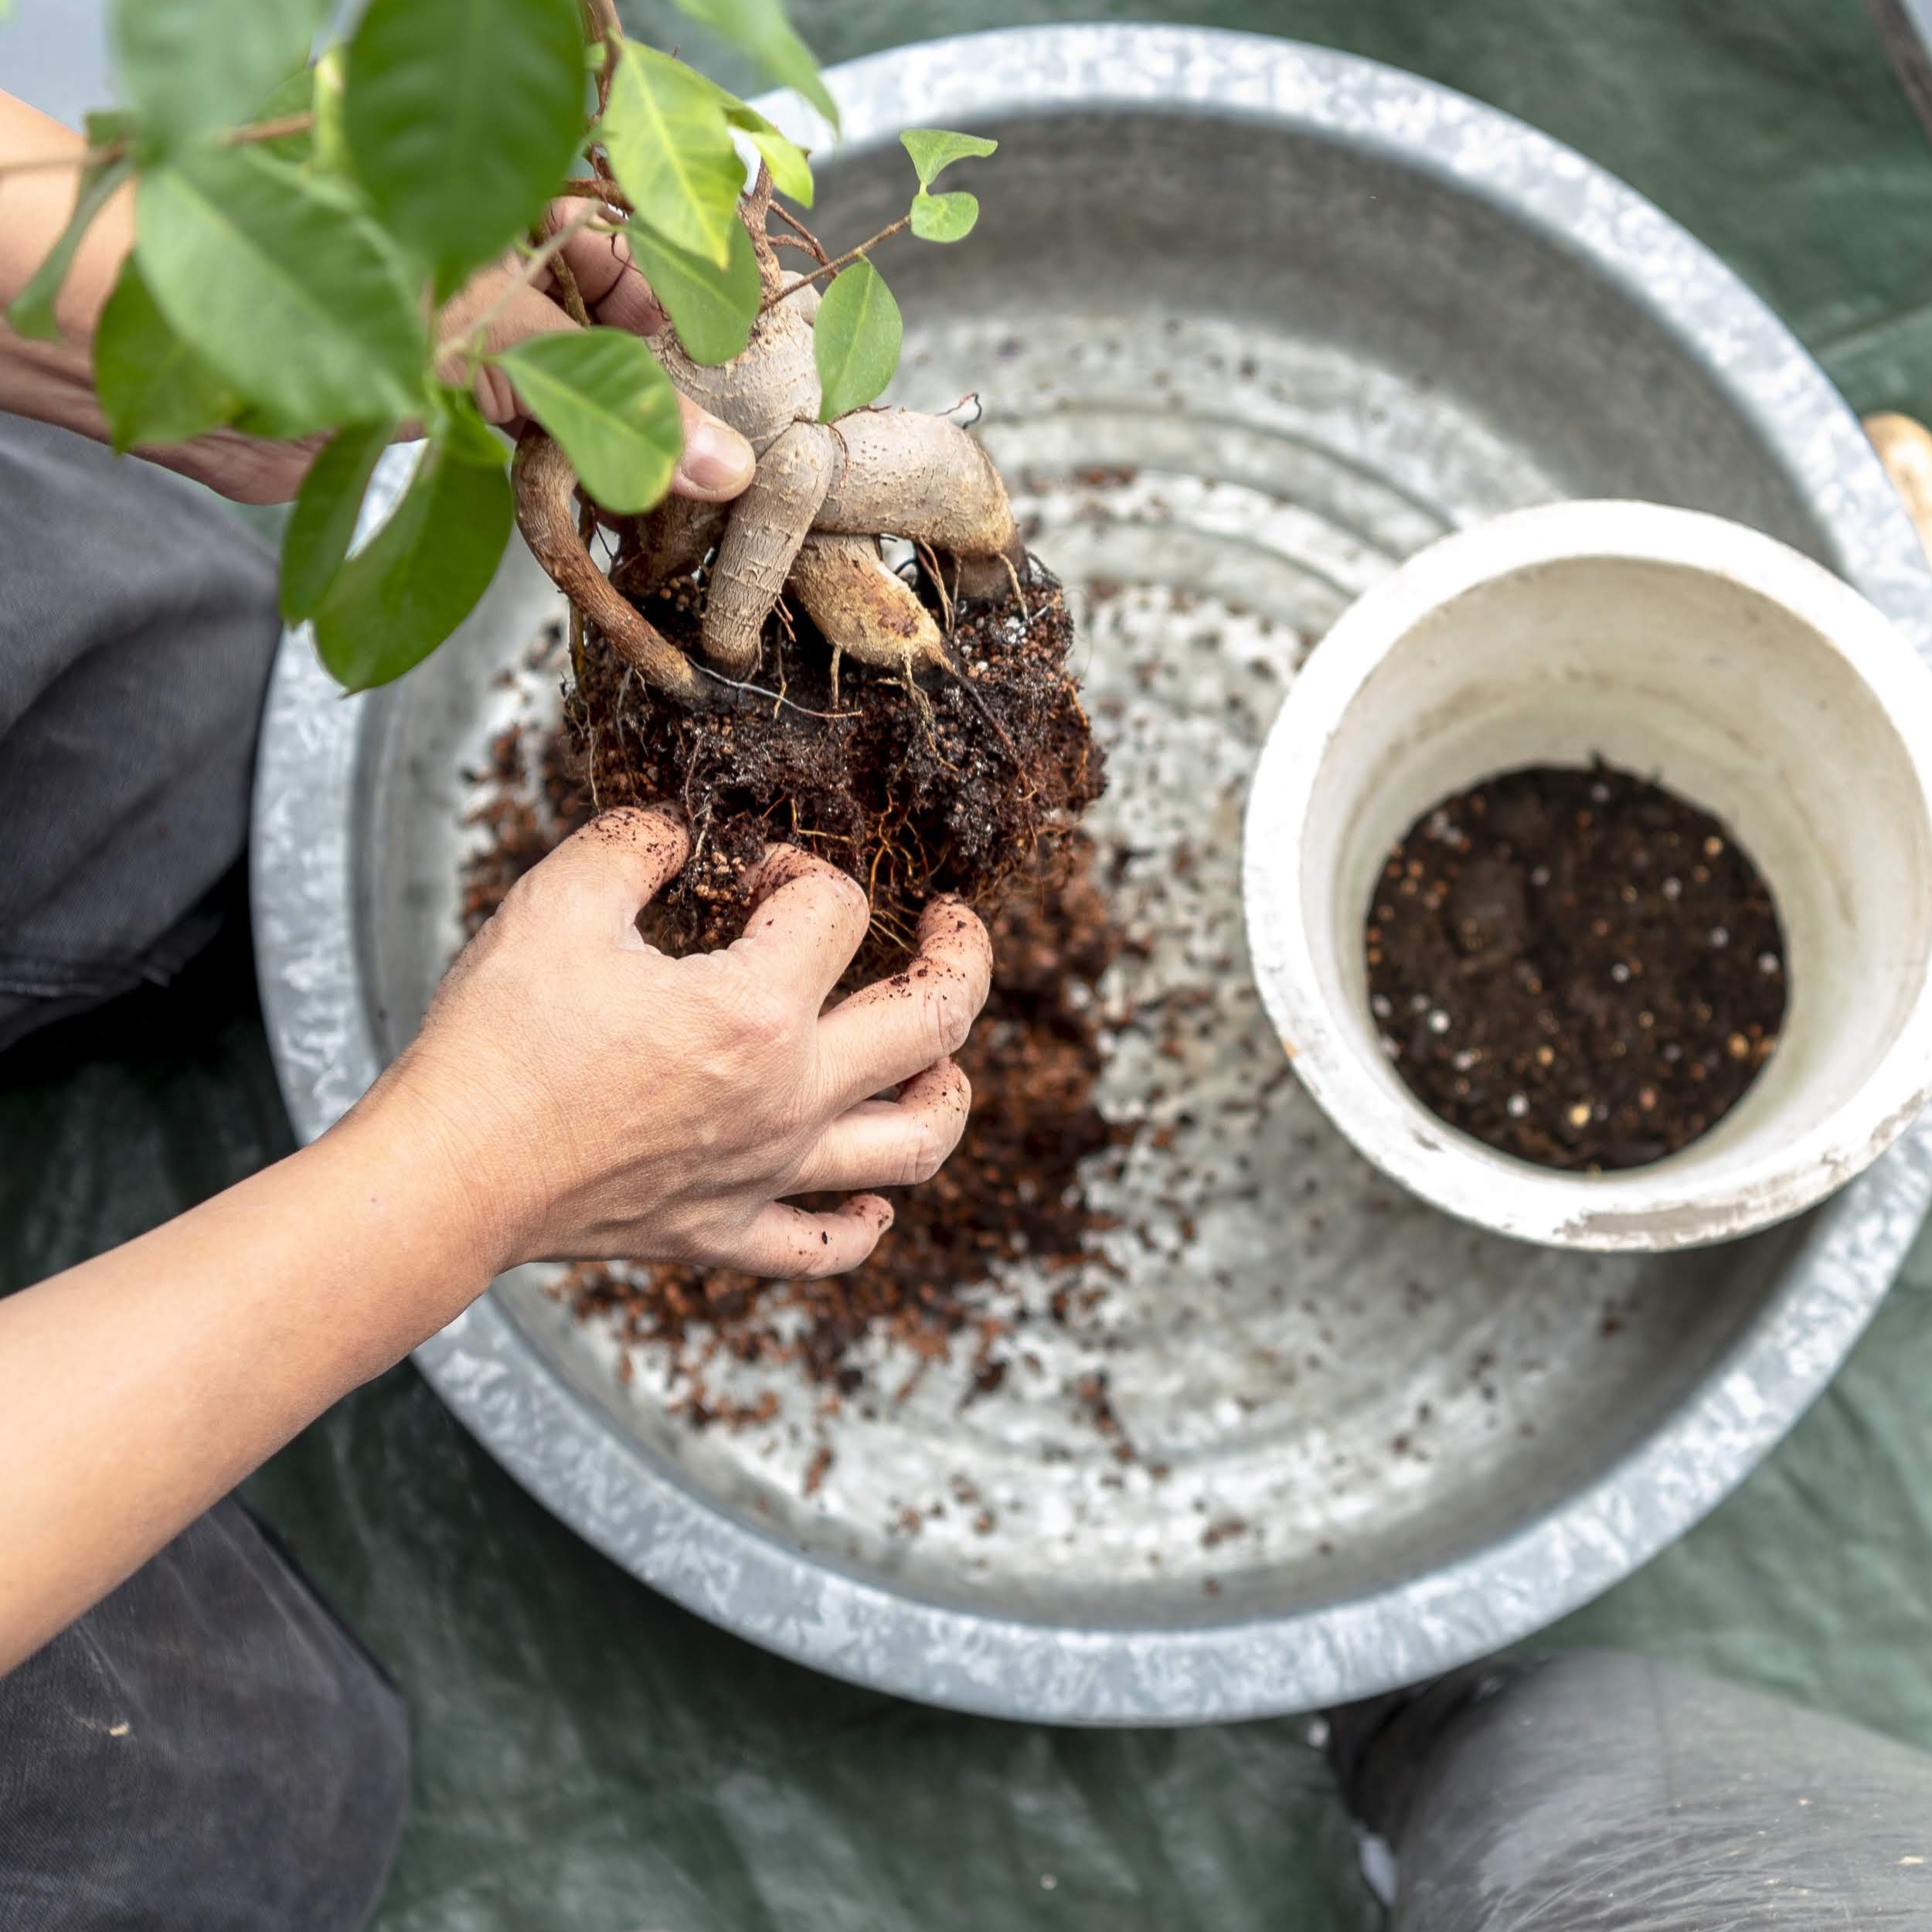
x: 942, y: 783
x: 1575, y: 966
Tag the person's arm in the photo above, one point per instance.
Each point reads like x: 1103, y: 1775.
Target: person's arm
x: 572, y: 1093
x: 54, y: 382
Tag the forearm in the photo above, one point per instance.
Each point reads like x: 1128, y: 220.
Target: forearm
x: 53, y: 381
x: 138, y: 1388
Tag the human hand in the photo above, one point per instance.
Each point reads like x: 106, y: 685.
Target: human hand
x: 596, y: 1099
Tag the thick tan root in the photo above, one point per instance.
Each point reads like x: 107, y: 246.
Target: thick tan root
x: 546, y: 490
x: 860, y: 606
x: 921, y: 477
x: 767, y: 525
x: 673, y: 539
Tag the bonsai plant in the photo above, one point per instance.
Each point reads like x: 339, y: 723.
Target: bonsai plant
x: 301, y: 218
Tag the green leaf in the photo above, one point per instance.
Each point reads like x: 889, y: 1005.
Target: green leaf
x: 712, y: 313
x: 190, y: 66
x: 671, y: 148
x: 601, y: 393
x: 105, y: 126
x: 295, y: 96
x: 944, y: 218
x: 323, y: 521
x: 461, y: 429
x: 855, y: 340
x: 293, y: 295
x: 332, y: 139
x: 420, y: 575
x: 790, y: 167
x: 462, y: 116
x: 934, y: 148
x: 153, y: 389
x: 760, y: 28
x: 32, y: 312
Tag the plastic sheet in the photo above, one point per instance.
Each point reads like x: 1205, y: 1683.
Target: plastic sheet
x: 588, y: 1756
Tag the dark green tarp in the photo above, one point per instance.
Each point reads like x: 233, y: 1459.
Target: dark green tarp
x: 589, y: 1757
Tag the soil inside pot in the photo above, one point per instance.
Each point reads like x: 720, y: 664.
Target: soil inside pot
x: 1575, y: 966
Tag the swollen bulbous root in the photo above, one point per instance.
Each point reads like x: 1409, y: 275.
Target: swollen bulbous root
x: 767, y: 525
x: 863, y: 608
x: 545, y: 487
x: 919, y: 477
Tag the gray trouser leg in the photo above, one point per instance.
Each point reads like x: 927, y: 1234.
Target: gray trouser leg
x: 137, y: 624
x: 1590, y: 1792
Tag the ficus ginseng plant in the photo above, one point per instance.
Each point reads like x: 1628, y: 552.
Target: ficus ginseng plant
x: 301, y: 216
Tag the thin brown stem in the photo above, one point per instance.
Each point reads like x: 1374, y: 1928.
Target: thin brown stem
x: 806, y: 238
x: 832, y: 267
x: 600, y: 23
x: 594, y: 188
x: 114, y: 151
x: 567, y: 290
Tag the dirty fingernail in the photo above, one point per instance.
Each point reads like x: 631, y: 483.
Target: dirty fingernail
x: 717, y: 461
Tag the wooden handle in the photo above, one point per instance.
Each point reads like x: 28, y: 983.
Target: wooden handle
x: 1905, y: 448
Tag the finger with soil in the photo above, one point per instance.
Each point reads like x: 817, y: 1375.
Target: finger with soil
x: 863, y: 608
x: 885, y: 1033
x: 767, y: 525
x: 893, y: 1143
x: 546, y: 486
x: 807, y: 920
x: 786, y: 1243
x: 921, y: 477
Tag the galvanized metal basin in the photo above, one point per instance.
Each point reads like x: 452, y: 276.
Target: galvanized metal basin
x: 1249, y: 322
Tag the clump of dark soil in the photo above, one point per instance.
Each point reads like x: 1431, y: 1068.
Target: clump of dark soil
x: 1011, y: 1190
x: 915, y: 785
x: 1575, y: 966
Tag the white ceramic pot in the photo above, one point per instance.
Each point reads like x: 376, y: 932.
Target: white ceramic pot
x: 1744, y: 677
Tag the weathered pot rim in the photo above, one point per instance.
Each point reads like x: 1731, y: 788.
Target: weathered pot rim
x: 557, y: 1445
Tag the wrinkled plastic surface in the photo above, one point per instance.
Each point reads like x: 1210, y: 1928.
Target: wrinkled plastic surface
x: 589, y: 1756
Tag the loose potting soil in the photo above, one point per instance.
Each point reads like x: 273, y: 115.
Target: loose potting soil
x: 1575, y: 966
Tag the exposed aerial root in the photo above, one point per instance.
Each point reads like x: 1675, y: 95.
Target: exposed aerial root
x: 546, y: 486
x: 863, y: 610
x: 755, y: 557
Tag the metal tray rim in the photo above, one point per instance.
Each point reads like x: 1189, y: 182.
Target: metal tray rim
x: 640, y: 1516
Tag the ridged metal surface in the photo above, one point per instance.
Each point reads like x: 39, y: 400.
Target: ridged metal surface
x: 1249, y: 323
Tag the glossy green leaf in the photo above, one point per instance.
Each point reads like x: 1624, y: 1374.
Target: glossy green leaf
x: 292, y: 294
x: 420, y: 575
x: 153, y: 387
x: 934, y: 149
x: 944, y: 218
x: 190, y: 67
x: 600, y: 392
x: 671, y: 149
x: 461, y: 118
x: 33, y: 310
x: 323, y: 522
x: 790, y: 167
x: 461, y: 429
x: 760, y: 28
x: 332, y: 139
x: 712, y: 313
x: 105, y: 126
x: 855, y: 340
x: 295, y: 96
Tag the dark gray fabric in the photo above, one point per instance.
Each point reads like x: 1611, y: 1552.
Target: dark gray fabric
x: 136, y: 625
x: 208, y: 1748
x: 1595, y: 1792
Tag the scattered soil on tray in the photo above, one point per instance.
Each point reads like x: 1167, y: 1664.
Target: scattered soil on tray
x: 1575, y: 966
x: 1010, y: 1191
x: 944, y: 783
